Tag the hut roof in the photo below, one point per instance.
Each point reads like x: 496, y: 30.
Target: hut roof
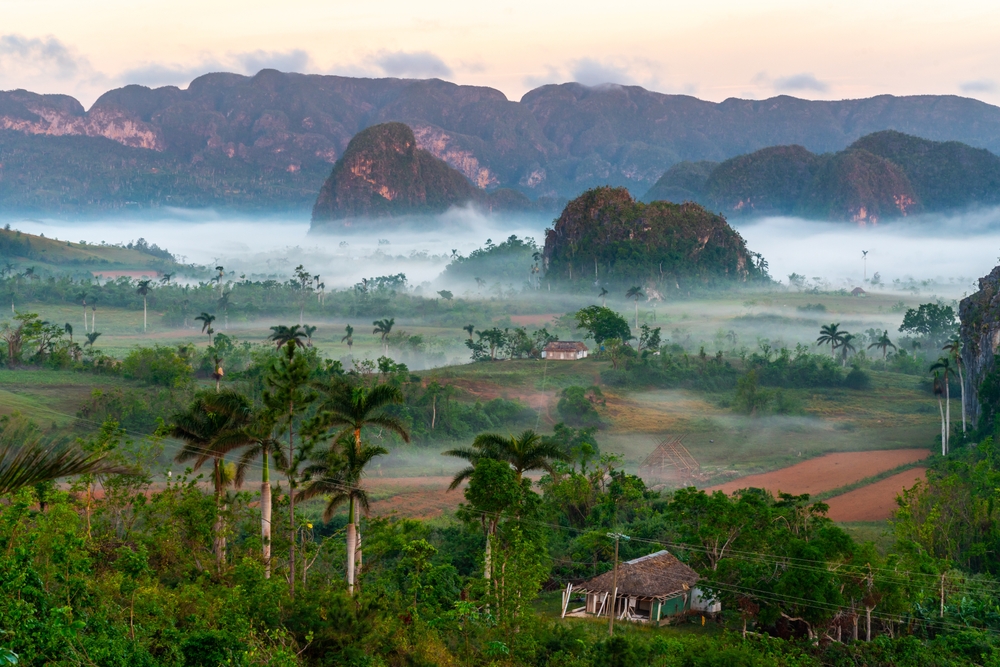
x: 565, y: 346
x: 657, y: 575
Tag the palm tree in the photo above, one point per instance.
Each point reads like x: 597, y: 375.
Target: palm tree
x: 166, y: 278
x: 82, y: 296
x: 635, y: 293
x: 206, y: 428
x: 223, y: 303
x: 883, y: 343
x: 604, y: 297
x: 524, y: 452
x: 282, y: 335
x: 337, y: 475
x: 142, y: 289
x: 309, y: 331
x: 348, y: 337
x: 469, y: 329
x: 480, y: 283
x: 832, y: 335
x: 944, y: 365
x: 846, y: 347
x: 954, y: 349
x: 68, y: 328
x: 206, y: 320
x: 938, y: 392
x: 26, y: 459
x: 383, y: 327
x: 351, y: 410
x: 92, y: 338
x: 93, y: 314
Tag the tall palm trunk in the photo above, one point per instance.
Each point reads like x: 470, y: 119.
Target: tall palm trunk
x: 265, y: 516
x: 944, y: 451
x: 947, y: 418
x: 219, y: 540
x: 434, y: 411
x: 353, y: 554
x: 636, y: 313
x: 144, y: 320
x: 86, y: 324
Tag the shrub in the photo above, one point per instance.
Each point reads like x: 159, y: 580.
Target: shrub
x: 161, y: 366
x: 857, y: 379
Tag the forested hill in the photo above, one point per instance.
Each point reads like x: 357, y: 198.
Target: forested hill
x: 605, y: 237
x: 270, y: 140
x: 880, y: 176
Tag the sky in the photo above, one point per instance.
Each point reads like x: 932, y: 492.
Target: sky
x: 712, y: 49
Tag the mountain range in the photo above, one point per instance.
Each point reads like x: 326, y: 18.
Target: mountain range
x: 270, y: 140
x: 880, y: 176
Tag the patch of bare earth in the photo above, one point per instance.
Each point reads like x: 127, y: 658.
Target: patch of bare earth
x: 413, y: 497
x: 533, y: 320
x: 826, y: 473
x: 875, y: 502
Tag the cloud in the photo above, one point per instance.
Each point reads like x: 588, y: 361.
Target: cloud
x: 978, y: 86
x: 411, y: 64
x: 803, y: 81
x: 249, y: 63
x: 40, y: 57
x: 592, y: 72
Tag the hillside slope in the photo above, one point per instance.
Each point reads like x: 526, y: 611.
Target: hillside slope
x: 270, y: 140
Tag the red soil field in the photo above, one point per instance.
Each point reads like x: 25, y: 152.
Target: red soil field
x: 826, y: 473
x: 875, y: 502
x: 415, y: 497
x: 533, y: 320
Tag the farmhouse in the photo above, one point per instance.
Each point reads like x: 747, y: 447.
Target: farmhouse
x: 651, y: 589
x: 567, y: 350
x: 857, y: 291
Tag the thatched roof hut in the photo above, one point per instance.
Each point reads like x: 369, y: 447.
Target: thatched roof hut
x: 649, y: 588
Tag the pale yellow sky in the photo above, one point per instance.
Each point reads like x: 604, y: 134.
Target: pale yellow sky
x: 712, y: 49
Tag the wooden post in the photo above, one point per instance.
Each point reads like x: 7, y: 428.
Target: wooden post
x: 614, y: 595
x: 604, y: 599
x: 566, y: 595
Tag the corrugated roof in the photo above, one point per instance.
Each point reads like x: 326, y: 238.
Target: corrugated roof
x: 565, y: 346
x: 659, y: 574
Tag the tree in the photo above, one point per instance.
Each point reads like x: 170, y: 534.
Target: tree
x: 337, y: 474
x: 206, y: 427
x: 349, y: 410
x: 281, y: 335
x: 93, y: 314
x: 68, y: 328
x: 846, y: 346
x: 166, y: 278
x: 603, y: 295
x: 223, y: 304
x: 954, y: 350
x: 287, y: 394
x: 938, y: 392
x: 649, y: 340
x: 603, y: 323
x: 143, y: 287
x: 944, y: 365
x: 933, y: 321
x: 523, y: 453
x: 635, y: 293
x: 257, y: 438
x: 883, y: 343
x: 309, y: 331
x: 27, y: 458
x: 348, y: 337
x: 92, y: 338
x: 383, y: 328
x: 446, y: 295
x: 469, y: 329
x: 830, y: 334
x: 82, y: 296
x: 493, y: 488
x: 206, y: 320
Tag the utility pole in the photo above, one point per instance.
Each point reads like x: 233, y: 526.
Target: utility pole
x: 614, y: 589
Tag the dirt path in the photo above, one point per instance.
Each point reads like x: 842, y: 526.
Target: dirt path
x: 826, y: 473
x: 875, y: 502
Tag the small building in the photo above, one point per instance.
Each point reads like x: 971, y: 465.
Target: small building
x: 857, y: 291
x: 651, y: 589
x: 565, y: 350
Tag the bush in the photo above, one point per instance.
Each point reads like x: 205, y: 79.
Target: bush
x: 577, y: 409
x: 857, y: 379
x: 160, y: 366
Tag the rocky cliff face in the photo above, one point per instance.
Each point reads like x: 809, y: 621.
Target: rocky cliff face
x: 980, y: 336
x: 557, y: 141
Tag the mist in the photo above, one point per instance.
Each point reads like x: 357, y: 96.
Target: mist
x: 932, y: 253
x: 951, y: 252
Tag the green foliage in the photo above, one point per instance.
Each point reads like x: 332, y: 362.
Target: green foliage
x: 576, y: 407
x: 602, y: 323
x: 160, y: 366
x: 510, y: 262
x: 934, y: 322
